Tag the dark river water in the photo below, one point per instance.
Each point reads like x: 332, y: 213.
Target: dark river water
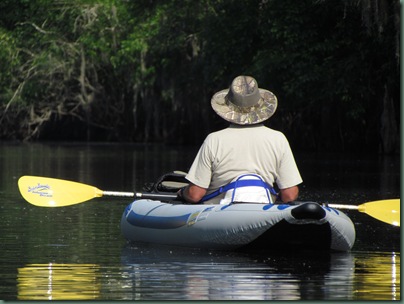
x: 78, y: 252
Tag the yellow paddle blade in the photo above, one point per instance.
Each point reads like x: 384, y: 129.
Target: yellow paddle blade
x: 387, y: 211
x: 52, y: 192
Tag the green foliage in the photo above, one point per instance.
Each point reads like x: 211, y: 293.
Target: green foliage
x: 145, y: 70
x: 8, y: 61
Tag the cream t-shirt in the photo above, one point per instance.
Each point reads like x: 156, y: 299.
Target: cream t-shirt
x: 238, y: 150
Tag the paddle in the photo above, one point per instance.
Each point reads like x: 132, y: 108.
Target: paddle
x: 52, y: 192
x: 387, y: 211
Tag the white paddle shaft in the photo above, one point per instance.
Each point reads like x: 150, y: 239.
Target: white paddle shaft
x: 167, y: 196
x: 341, y: 206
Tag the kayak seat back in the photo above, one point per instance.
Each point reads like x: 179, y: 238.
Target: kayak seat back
x: 170, y: 182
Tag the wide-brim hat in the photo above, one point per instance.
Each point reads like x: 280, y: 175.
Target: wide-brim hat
x: 244, y: 103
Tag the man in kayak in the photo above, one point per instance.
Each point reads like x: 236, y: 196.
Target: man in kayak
x: 246, y: 147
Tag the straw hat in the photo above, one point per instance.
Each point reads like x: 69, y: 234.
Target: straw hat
x: 244, y: 103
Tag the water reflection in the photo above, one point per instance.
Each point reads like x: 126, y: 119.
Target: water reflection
x: 58, y: 282
x: 163, y: 273
x: 199, y: 275
x: 377, y: 276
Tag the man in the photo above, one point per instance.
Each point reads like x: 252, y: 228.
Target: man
x: 245, y: 147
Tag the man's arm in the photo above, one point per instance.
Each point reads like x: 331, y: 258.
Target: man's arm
x: 192, y: 193
x: 289, y: 194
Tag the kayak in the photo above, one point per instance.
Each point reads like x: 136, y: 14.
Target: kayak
x: 157, y: 217
x: 238, y: 226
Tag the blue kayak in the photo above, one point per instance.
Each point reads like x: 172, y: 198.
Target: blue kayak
x: 245, y: 226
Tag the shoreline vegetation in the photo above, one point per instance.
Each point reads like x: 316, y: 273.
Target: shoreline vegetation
x: 144, y: 71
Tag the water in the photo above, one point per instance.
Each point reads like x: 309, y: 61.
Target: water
x: 78, y: 253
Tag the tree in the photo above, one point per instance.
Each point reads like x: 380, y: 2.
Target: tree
x: 146, y: 70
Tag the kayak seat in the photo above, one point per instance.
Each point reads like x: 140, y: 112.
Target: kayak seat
x: 170, y: 182
x: 309, y: 211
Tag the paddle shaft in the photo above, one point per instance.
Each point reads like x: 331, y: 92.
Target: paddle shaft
x: 341, y: 206
x: 141, y: 195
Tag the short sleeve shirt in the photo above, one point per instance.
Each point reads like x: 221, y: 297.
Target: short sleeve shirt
x: 237, y: 150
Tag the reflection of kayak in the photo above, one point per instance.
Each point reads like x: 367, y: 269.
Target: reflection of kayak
x: 238, y: 226
x: 194, y: 274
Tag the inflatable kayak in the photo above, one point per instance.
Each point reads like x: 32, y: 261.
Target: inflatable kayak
x: 249, y: 226
x: 156, y: 217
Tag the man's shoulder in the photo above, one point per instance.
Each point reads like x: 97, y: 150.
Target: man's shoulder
x: 245, y: 131
x: 219, y: 133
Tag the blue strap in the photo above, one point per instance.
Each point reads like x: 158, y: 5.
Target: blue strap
x: 237, y: 184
